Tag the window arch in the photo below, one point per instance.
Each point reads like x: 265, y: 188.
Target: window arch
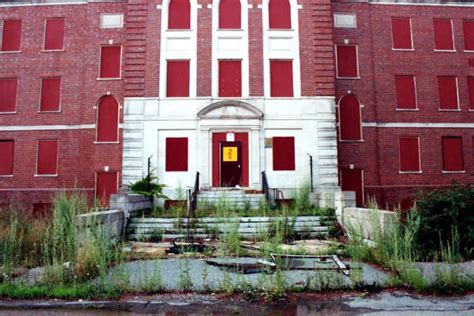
x: 107, y: 120
x: 179, y: 15
x: 279, y: 14
x: 350, y: 128
x: 230, y: 14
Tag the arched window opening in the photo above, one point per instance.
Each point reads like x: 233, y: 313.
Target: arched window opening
x: 179, y: 15
x: 229, y: 14
x: 349, y: 118
x: 107, y: 119
x: 279, y: 14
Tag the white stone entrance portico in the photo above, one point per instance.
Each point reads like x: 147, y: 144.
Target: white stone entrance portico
x: 311, y: 121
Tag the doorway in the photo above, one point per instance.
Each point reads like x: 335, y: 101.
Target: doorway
x: 230, y: 164
x: 353, y: 180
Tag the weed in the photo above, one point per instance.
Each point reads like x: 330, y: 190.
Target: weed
x: 185, y: 283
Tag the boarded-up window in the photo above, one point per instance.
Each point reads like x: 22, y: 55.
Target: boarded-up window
x: 6, y: 157
x: 229, y: 14
x: 177, y: 78
x: 470, y: 83
x: 468, y: 30
x: 106, y: 184
x: 230, y: 78
x: 8, y: 95
x: 281, y: 78
x: 352, y: 180
x: 443, y: 34
x: 448, y: 93
x: 47, y: 157
x: 110, y: 60
x: 11, y: 36
x: 54, y: 34
x: 349, y: 118
x: 452, y: 154
x: 409, y: 154
x: 179, y: 15
x: 279, y: 14
x: 107, y: 120
x: 401, y: 33
x: 50, y: 94
x: 406, y: 92
x: 347, y: 64
x: 283, y: 153
x: 177, y: 154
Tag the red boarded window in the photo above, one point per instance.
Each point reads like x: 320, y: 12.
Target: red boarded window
x: 443, y: 34
x: 230, y: 78
x: 448, y: 93
x: 229, y: 14
x: 54, y: 34
x: 279, y: 14
x: 468, y: 30
x: 452, y: 154
x: 50, y: 94
x: 177, y: 154
x: 349, y: 118
x: 179, y: 15
x: 11, y: 36
x: 401, y: 33
x: 107, y: 120
x: 470, y: 84
x: 352, y: 180
x: 281, y: 78
x: 6, y: 157
x: 347, y: 65
x: 283, y: 153
x: 8, y: 95
x: 177, y: 78
x: 406, y: 92
x: 106, y: 184
x: 409, y: 154
x: 110, y: 57
x: 47, y: 157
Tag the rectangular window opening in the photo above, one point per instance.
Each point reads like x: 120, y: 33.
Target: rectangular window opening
x: 443, y: 34
x: 110, y: 62
x: 11, y: 36
x: 6, y: 157
x: 177, y: 78
x: 177, y: 154
x: 283, y: 153
x: 452, y: 154
x: 281, y: 78
x: 47, y: 157
x: 54, y: 34
x: 346, y: 61
x: 410, y: 154
x: 401, y: 33
x: 50, y: 95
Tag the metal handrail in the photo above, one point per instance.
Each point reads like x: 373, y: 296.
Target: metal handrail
x: 195, y: 193
x: 265, y: 187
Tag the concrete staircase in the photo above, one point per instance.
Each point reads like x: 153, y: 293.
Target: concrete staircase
x: 234, y: 199
x: 139, y: 228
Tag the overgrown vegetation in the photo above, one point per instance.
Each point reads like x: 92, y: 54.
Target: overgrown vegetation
x: 149, y: 187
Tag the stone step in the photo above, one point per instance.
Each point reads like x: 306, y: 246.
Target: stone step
x: 138, y: 237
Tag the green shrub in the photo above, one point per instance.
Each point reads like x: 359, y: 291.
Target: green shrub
x: 148, y: 186
x: 442, y: 213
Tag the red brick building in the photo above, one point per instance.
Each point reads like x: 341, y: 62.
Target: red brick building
x: 407, y: 71
x: 90, y: 89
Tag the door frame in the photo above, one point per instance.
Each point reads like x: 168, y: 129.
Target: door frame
x: 220, y: 136
x: 224, y: 144
x: 362, y: 182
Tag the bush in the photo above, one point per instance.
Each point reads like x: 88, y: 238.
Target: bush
x: 149, y: 187
x: 443, y: 213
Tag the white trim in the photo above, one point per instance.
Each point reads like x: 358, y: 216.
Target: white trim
x: 242, y: 54
x: 357, y: 61
x: 57, y: 157
x: 420, y: 170
x: 292, y: 37
x: 458, y: 109
x: 41, y: 91
x: 26, y: 128
x: 100, y: 62
x: 119, y: 26
x: 412, y: 48
x: 188, y: 50
x: 43, y: 49
x: 335, y: 14
x: 452, y: 35
x: 339, y: 121
x: 417, y: 125
x: 117, y: 141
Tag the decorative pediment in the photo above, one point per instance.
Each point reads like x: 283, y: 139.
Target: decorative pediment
x: 230, y: 110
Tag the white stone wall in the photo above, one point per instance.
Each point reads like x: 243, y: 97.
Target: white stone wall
x: 148, y: 121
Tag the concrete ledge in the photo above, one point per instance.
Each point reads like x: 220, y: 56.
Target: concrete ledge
x: 363, y: 220
x: 111, y: 222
